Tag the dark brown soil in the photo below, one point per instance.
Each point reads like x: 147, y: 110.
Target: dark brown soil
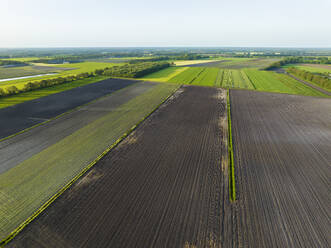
x: 282, y: 160
x: 164, y: 186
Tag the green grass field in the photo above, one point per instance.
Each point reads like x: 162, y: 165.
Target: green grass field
x: 26, y: 187
x: 187, y: 76
x: 26, y: 96
x: 207, y: 77
x: 165, y: 75
x: 276, y: 82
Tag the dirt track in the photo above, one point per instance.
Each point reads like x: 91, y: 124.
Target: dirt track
x: 27, y: 114
x: 282, y: 154
x: 164, y: 186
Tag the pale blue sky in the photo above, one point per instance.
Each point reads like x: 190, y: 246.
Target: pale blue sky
x: 60, y: 23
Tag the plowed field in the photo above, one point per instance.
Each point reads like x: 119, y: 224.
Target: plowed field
x: 166, y: 185
x: 282, y: 147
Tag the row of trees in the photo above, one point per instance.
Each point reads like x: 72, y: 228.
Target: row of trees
x: 13, y: 90
x: 322, y: 81
x: 127, y: 71
x: 11, y: 62
x: 134, y: 70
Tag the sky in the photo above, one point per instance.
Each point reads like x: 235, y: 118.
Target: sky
x: 136, y: 23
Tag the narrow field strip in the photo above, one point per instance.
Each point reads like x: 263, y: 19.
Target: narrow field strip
x: 232, y: 177
x: 282, y: 147
x: 164, y: 186
x: 27, y: 186
x: 207, y: 77
x: 187, y: 76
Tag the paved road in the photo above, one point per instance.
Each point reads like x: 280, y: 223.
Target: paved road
x: 24, y: 115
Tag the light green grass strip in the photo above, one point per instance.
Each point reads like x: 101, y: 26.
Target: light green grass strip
x: 232, y: 178
x: 36, y: 183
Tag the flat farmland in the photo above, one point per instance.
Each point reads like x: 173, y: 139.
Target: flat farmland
x: 38, y: 163
x: 238, y: 79
x: 282, y: 158
x: 166, y: 185
x: 280, y: 83
x: 36, y: 111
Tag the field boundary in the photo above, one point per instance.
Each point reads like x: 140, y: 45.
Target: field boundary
x: 16, y: 231
x: 232, y: 178
x: 60, y: 115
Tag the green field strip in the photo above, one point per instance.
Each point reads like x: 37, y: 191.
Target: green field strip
x: 219, y: 78
x: 27, y: 189
x: 232, y: 177
x: 279, y: 83
x: 248, y: 82
x: 207, y: 77
x: 165, y: 74
x: 187, y: 76
x: 297, y: 86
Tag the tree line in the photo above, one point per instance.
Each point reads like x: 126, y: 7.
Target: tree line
x: 11, y: 62
x: 322, y: 81
x: 126, y: 71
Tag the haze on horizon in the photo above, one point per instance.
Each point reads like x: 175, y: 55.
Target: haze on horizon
x: 110, y: 23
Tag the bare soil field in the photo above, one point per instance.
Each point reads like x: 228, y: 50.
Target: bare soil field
x: 166, y: 185
x: 282, y: 147
x: 24, y: 115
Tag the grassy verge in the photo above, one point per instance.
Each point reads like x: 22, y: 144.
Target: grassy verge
x: 29, y: 188
x: 232, y: 178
